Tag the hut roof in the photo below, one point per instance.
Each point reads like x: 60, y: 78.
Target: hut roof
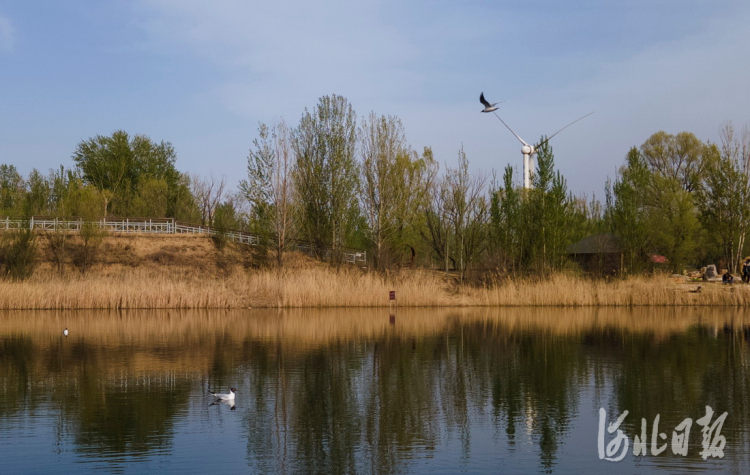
x: 596, y: 244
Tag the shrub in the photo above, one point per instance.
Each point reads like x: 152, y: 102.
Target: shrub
x: 18, y: 253
x: 91, y: 237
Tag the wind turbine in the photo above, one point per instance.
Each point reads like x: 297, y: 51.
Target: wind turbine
x: 527, y: 150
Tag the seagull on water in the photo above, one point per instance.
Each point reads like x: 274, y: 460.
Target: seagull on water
x: 65, y: 332
x: 224, y: 397
x: 487, y: 106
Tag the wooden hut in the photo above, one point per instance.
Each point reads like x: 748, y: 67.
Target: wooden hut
x: 600, y: 254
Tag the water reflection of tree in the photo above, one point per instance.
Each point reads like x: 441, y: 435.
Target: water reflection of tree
x: 374, y: 406
x: 16, y: 367
x: 535, y: 378
x: 376, y: 403
x: 109, y: 413
x: 676, y: 378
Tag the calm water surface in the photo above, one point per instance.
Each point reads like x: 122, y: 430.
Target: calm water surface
x: 353, y: 391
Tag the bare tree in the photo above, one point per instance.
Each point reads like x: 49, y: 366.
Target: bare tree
x: 437, y: 229
x: 208, y: 193
x: 468, y: 211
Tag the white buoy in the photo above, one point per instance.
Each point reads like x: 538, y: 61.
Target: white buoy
x: 65, y: 332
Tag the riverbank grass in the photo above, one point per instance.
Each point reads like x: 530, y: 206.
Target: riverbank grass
x: 322, y: 286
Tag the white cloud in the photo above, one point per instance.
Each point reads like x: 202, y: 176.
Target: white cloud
x: 7, y: 35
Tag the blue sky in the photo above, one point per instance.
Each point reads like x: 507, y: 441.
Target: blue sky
x: 201, y: 75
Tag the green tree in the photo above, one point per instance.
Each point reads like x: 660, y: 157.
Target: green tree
x: 11, y: 189
x: 682, y: 157
x: 549, y: 214
x: 673, y: 223
x: 269, y: 187
x: 325, y: 173
x: 151, y: 199
x: 627, y: 210
x: 506, y: 222
x: 724, y: 202
x: 121, y: 164
x: 38, y: 192
x: 392, y: 177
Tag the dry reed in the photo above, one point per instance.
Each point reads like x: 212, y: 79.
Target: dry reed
x: 326, y: 287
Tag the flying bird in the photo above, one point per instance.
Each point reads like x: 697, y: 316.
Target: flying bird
x: 225, y: 397
x: 65, y: 332
x: 487, y: 106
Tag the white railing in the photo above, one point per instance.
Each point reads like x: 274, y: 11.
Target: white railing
x: 162, y: 226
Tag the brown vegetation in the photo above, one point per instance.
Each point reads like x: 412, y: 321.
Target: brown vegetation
x: 190, y: 272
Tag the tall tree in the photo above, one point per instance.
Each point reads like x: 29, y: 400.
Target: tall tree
x: 724, y: 202
x: 11, y: 189
x: 269, y: 186
x: 682, y: 157
x: 627, y: 210
x: 506, y: 222
x: 673, y: 222
x: 549, y: 213
x: 468, y: 212
x: 392, y: 180
x: 38, y: 193
x: 326, y: 175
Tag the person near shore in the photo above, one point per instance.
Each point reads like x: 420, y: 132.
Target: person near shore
x: 727, y: 278
x: 746, y: 271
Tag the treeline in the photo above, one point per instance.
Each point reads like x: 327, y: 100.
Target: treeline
x: 335, y: 181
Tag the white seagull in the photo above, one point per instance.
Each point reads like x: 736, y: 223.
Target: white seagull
x: 487, y: 106
x: 65, y: 332
x: 225, y: 397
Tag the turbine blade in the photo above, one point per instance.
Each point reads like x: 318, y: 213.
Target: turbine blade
x: 511, y: 130
x: 550, y: 137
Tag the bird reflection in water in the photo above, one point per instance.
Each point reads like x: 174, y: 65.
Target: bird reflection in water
x: 221, y: 402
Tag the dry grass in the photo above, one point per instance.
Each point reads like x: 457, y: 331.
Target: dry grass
x: 567, y: 290
x: 118, y: 287
x: 184, y: 271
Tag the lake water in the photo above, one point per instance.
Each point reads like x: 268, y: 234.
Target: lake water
x: 359, y: 391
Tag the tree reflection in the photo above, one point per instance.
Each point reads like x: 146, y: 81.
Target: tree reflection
x: 108, y: 412
x: 375, y: 397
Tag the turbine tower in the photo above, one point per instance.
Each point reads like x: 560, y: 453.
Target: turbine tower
x: 527, y: 150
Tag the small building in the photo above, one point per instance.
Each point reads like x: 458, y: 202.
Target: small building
x: 600, y: 254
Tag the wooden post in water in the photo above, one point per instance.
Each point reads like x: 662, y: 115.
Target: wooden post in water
x: 392, y: 307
